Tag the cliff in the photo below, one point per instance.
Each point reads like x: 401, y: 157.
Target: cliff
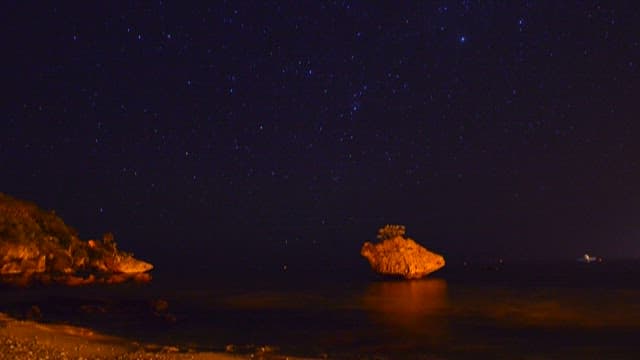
x: 401, y: 256
x: 37, y: 246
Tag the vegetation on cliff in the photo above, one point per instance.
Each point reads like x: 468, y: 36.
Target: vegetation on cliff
x: 390, y: 231
x: 37, y: 244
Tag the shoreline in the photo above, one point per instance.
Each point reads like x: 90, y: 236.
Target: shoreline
x: 27, y: 339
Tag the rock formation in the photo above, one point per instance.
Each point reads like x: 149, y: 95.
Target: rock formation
x: 401, y: 256
x: 36, y: 245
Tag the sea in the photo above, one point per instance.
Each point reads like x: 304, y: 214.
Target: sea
x: 553, y: 310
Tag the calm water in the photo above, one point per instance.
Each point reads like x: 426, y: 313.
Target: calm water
x: 519, y: 311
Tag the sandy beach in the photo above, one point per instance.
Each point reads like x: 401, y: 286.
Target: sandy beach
x: 32, y: 340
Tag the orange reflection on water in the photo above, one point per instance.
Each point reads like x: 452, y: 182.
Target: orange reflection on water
x: 418, y: 307
x: 566, y: 308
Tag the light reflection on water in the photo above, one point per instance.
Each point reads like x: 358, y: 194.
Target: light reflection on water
x: 552, y: 308
x: 437, y: 318
x: 412, y: 307
x: 432, y: 316
x: 405, y: 303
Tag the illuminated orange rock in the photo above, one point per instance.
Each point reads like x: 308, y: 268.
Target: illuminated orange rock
x: 36, y: 245
x: 130, y: 265
x: 401, y: 256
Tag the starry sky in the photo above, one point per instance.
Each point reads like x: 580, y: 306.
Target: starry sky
x: 264, y: 132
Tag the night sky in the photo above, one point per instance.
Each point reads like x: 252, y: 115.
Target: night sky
x: 274, y: 132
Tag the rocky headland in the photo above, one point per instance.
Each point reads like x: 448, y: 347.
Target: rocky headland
x: 399, y: 256
x: 36, y: 246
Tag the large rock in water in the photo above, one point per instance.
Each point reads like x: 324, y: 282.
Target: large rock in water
x: 403, y: 257
x: 36, y: 245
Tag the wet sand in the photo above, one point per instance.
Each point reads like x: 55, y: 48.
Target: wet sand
x: 32, y: 340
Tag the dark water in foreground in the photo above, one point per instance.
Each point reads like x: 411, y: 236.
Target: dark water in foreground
x: 519, y: 311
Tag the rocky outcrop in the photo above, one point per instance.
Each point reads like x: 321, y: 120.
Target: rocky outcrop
x: 401, y: 256
x: 37, y: 246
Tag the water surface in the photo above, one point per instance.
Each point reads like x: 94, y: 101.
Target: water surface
x: 545, y: 310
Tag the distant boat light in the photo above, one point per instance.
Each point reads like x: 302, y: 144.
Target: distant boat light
x: 589, y: 259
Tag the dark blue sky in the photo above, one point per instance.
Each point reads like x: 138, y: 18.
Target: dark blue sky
x: 263, y: 131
